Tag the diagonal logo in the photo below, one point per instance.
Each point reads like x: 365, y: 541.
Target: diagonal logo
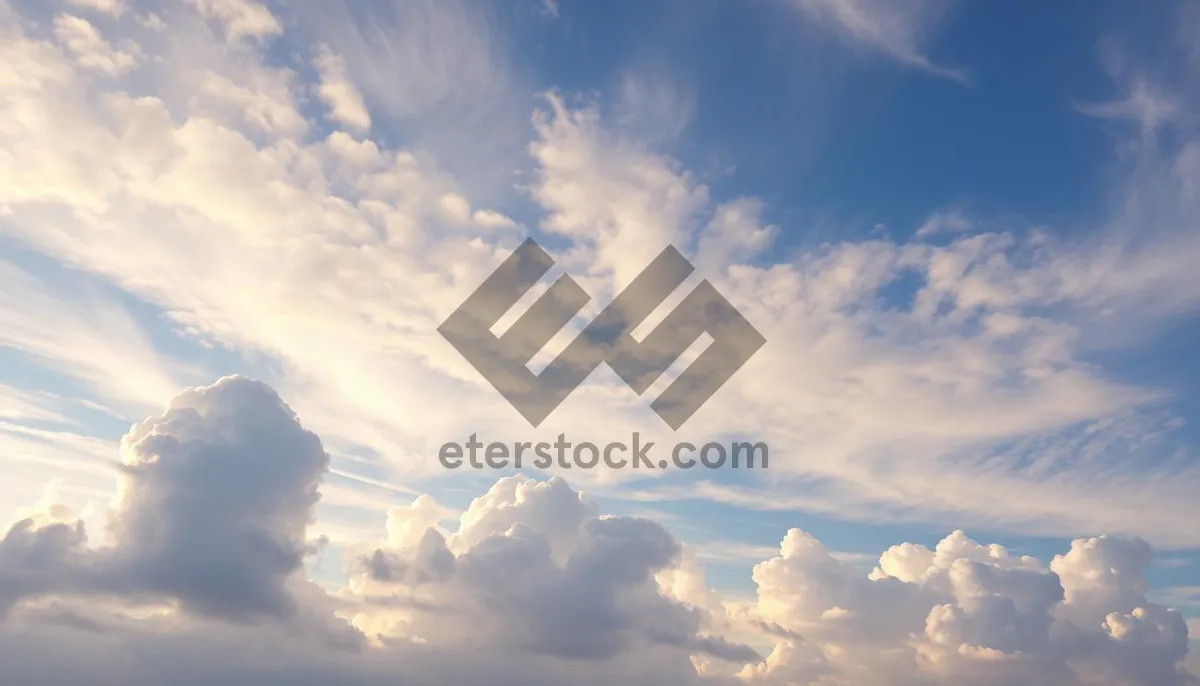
x: 503, y: 360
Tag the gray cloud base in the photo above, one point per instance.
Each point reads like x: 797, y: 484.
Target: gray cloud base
x: 534, y: 586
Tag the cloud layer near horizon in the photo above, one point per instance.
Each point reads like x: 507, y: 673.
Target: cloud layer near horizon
x: 200, y: 581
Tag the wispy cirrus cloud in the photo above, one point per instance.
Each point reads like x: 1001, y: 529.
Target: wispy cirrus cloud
x: 900, y: 31
x: 113, y: 7
x: 335, y: 256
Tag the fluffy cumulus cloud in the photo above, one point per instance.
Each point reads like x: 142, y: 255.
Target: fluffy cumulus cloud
x: 216, y: 495
x: 215, y: 498
x: 968, y: 613
x: 201, y: 579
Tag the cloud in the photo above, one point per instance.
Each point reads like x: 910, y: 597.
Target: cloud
x: 91, y: 338
x: 415, y: 58
x: 602, y: 192
x: 241, y: 18
x: 442, y: 77
x: 37, y: 559
x: 345, y: 102
x: 91, y: 50
x: 550, y: 506
x: 113, y: 7
x: 966, y: 612
x: 651, y: 102
x: 937, y: 382
x: 263, y: 100
x: 215, y: 499
x: 941, y: 382
x: 1145, y: 105
x: 19, y: 404
x: 944, y: 221
x: 534, y: 570
x: 216, y: 495
x: 218, y: 492
x: 535, y: 584
x: 899, y: 31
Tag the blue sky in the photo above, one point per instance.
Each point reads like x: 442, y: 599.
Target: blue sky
x: 967, y: 230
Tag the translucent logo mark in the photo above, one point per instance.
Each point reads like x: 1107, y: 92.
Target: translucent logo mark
x: 503, y: 360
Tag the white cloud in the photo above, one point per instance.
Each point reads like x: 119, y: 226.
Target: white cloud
x: 416, y: 58
x: 91, y: 50
x: 333, y: 260
x: 216, y: 495
x: 262, y: 100
x: 456, y: 208
x: 951, y: 220
x: 492, y: 220
x: 91, y: 338
x: 342, y: 96
x: 19, y: 404
x: 535, y: 584
x: 898, y: 30
x: 205, y: 197
x: 653, y: 104
x: 1146, y: 105
x: 152, y: 21
x: 443, y: 75
x: 241, y: 18
x: 551, y: 507
x: 965, y: 612
x: 606, y: 195
x: 113, y: 7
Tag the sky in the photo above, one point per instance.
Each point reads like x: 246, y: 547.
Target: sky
x: 968, y: 233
